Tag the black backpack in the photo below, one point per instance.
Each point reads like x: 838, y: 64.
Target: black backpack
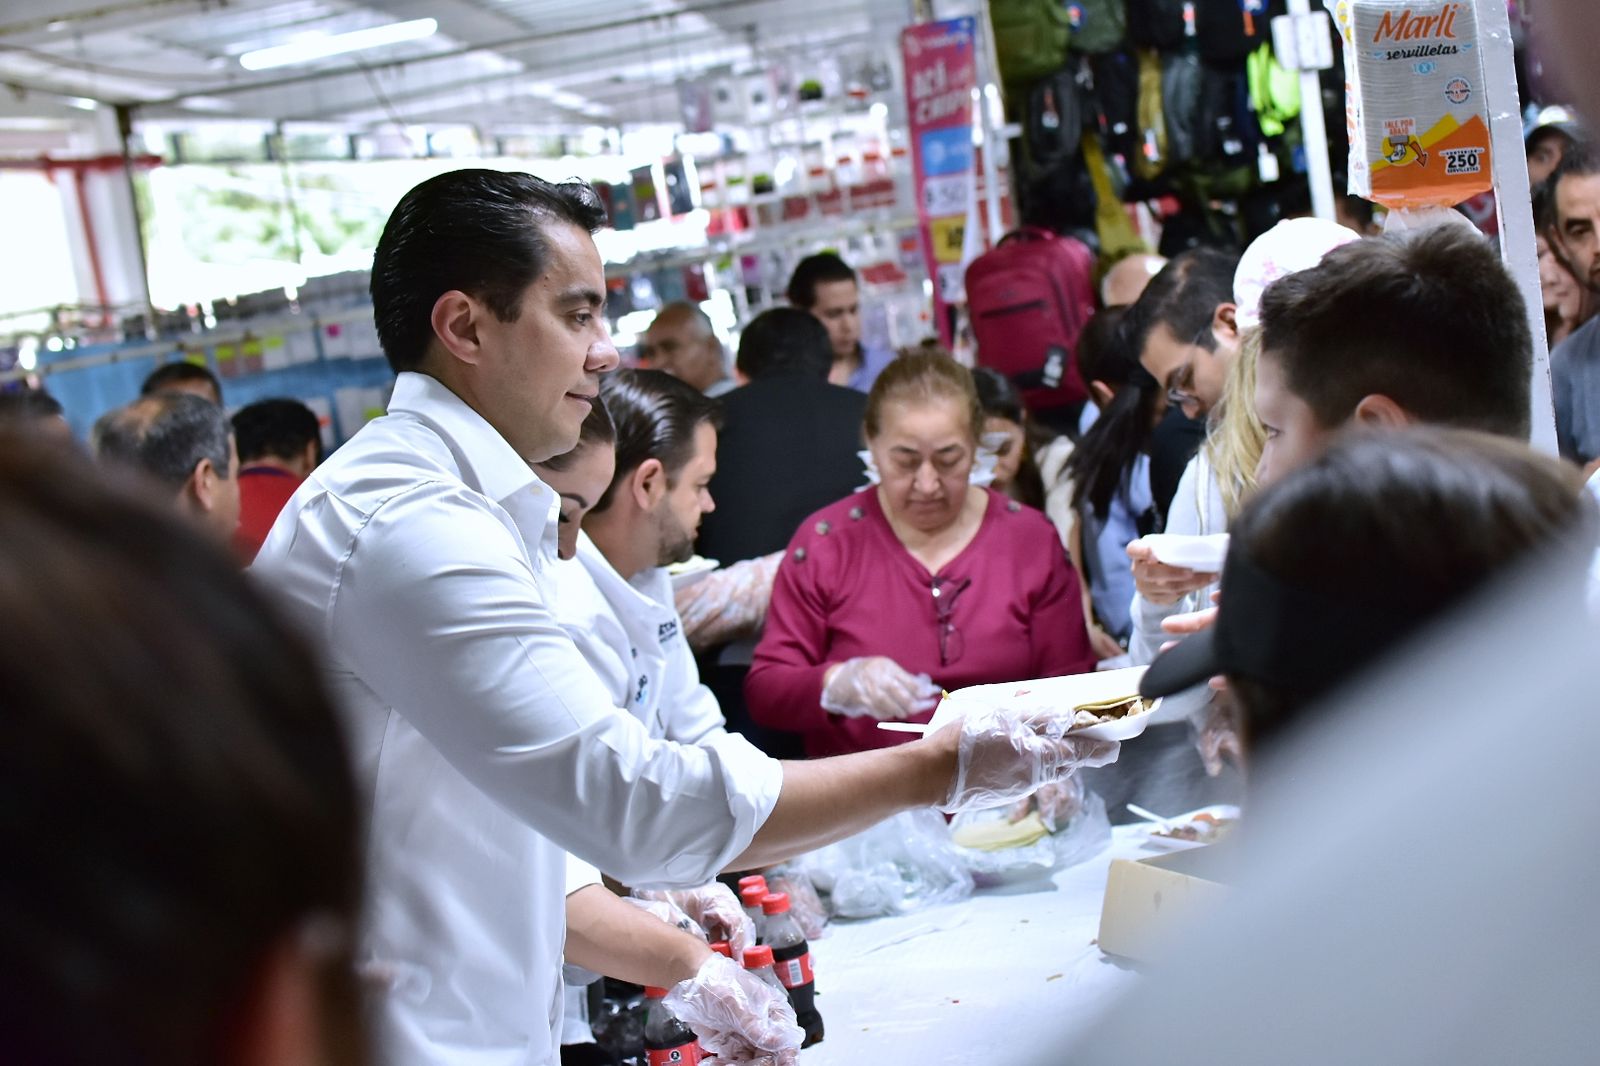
x: 1227, y: 133
x: 1116, y: 103
x: 1229, y: 30
x: 1056, y: 115
x: 1162, y: 24
x: 1181, y: 78
x: 1098, y: 26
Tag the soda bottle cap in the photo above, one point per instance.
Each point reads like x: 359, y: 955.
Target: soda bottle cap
x: 752, y: 896
x: 651, y: 992
x: 775, y: 903
x: 757, y: 957
x: 722, y: 947
x: 752, y: 879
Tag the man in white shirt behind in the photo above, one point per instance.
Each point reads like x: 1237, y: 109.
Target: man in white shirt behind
x: 615, y: 600
x: 418, y: 558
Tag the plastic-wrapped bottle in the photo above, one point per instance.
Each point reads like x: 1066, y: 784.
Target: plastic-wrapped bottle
x: 752, y: 879
x: 723, y: 948
x: 752, y: 898
x: 791, y: 957
x: 667, y: 1041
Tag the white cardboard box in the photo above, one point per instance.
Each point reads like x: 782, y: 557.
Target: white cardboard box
x: 1148, y: 901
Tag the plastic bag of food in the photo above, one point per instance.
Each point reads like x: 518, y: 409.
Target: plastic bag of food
x: 899, y: 865
x: 998, y: 845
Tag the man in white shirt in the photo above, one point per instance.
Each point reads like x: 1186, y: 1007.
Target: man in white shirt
x: 615, y: 599
x: 418, y: 556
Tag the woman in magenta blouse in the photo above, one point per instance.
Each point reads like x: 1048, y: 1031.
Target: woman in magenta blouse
x: 921, y: 582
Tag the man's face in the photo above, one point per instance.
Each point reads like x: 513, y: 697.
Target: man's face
x: 536, y: 378
x: 839, y: 307
x: 1561, y: 293
x: 1578, y: 211
x: 677, y: 514
x: 679, y: 345
x: 1294, y: 436
x: 1192, y: 374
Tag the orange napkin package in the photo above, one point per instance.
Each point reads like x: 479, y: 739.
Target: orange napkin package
x: 1414, y: 101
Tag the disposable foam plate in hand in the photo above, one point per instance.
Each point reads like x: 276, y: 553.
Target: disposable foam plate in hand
x: 1056, y: 696
x: 1202, y: 553
x: 691, y: 571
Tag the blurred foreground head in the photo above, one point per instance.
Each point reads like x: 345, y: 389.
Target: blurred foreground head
x: 1341, y: 563
x: 179, y: 820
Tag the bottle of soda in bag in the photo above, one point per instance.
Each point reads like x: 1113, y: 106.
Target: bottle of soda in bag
x: 752, y: 898
x: 667, y: 1041
x: 753, y: 879
x: 723, y: 948
x: 791, y: 961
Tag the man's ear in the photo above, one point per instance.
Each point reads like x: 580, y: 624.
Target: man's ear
x: 455, y: 325
x: 648, y: 484
x: 1102, y: 394
x: 1225, y: 324
x: 201, y: 488
x: 308, y: 458
x: 1380, y: 412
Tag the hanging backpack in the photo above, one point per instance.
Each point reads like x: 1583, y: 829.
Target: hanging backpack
x: 1226, y: 131
x: 1116, y: 104
x: 1181, y: 79
x: 1229, y: 30
x: 1112, y: 226
x: 1274, y: 91
x: 1028, y: 299
x: 1151, y: 126
x: 1098, y: 26
x: 1056, y: 115
x: 1163, y: 24
x: 1030, y: 38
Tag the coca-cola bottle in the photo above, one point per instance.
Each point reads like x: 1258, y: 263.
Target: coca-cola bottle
x: 667, y: 1041
x: 723, y: 948
x: 791, y: 962
x: 758, y: 960
x: 752, y: 897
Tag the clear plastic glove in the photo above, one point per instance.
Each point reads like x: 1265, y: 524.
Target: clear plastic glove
x: 728, y: 604
x: 1057, y: 803
x: 877, y: 687
x: 1003, y: 754
x: 1217, y: 735
x: 668, y: 912
x: 737, y: 1017
x: 715, y: 908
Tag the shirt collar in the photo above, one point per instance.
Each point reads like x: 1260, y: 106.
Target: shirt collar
x: 488, y: 462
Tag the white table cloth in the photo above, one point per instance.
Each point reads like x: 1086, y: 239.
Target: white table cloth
x: 1013, y: 968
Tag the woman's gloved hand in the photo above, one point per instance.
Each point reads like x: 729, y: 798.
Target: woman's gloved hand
x: 737, y: 1017
x: 877, y: 687
x: 1003, y: 754
x: 715, y: 908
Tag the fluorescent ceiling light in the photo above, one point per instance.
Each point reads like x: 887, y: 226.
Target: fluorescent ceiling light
x: 313, y: 48
x: 82, y: 103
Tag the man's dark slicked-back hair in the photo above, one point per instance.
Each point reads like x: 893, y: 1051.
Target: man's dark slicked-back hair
x: 1184, y: 297
x: 816, y: 270
x: 478, y: 231
x: 1430, y: 319
x: 656, y: 416
x: 784, y: 340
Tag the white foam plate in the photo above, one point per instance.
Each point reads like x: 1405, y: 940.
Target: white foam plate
x: 1202, y: 553
x: 1222, y: 810
x: 1052, y: 694
x: 690, y: 571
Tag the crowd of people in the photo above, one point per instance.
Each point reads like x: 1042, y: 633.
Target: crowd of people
x: 480, y: 706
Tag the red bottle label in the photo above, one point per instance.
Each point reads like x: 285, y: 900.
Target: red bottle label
x: 792, y: 973
x: 683, y: 1055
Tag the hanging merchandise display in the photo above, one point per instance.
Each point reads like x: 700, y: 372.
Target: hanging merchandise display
x: 1418, y: 116
x: 1030, y: 37
x: 941, y: 74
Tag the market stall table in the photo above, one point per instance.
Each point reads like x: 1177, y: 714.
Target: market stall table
x: 1013, y: 967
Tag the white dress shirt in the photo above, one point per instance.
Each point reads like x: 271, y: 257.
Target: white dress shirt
x: 418, y: 557
x: 630, y: 633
